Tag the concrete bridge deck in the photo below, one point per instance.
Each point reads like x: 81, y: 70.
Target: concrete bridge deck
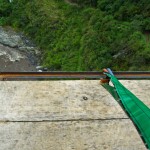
x: 66, y: 115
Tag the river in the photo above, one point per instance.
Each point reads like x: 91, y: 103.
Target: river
x: 17, y: 52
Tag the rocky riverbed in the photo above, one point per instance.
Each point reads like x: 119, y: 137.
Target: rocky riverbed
x: 17, y: 52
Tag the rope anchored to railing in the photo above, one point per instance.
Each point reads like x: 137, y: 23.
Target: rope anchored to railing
x: 137, y: 111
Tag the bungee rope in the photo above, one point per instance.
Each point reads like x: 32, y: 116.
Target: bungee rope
x: 137, y: 111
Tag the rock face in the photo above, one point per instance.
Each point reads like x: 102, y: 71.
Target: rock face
x: 66, y: 115
x: 17, y: 53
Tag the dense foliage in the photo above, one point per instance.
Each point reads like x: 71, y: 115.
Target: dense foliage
x: 87, y: 36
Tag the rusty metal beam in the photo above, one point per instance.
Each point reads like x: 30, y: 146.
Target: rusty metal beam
x: 71, y: 75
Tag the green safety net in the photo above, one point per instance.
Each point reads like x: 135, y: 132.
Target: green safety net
x: 137, y: 111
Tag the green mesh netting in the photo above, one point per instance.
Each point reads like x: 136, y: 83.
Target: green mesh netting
x: 137, y: 111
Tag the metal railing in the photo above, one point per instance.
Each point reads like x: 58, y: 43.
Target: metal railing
x: 122, y: 75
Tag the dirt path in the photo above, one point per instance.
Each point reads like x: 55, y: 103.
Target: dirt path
x: 73, y: 4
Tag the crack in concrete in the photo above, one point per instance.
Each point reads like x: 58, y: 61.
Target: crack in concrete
x: 66, y: 120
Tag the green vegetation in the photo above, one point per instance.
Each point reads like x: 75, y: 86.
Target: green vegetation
x: 90, y: 35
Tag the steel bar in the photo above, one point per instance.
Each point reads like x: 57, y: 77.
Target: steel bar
x: 71, y: 75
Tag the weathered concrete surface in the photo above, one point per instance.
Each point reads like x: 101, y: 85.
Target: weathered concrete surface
x: 81, y: 135
x: 64, y: 105
x: 56, y: 100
